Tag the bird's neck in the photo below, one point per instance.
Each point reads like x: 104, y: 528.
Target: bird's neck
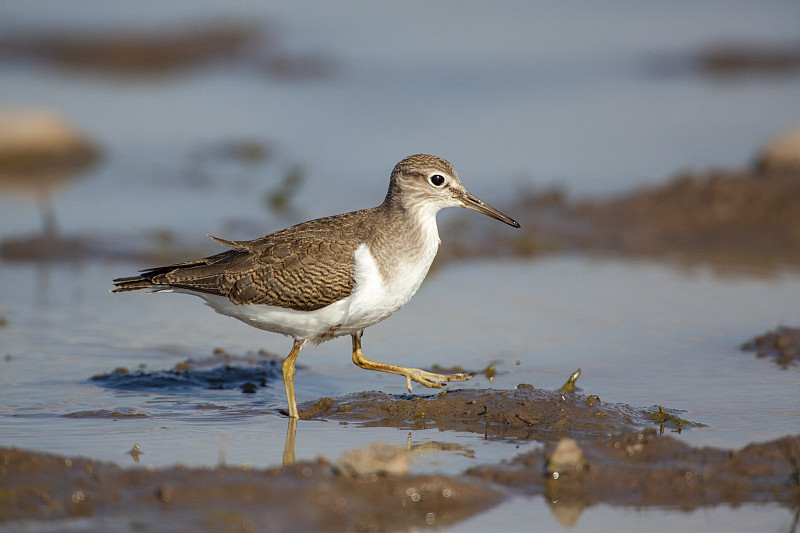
x: 408, y: 239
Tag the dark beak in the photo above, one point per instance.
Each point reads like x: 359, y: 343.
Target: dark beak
x: 476, y: 204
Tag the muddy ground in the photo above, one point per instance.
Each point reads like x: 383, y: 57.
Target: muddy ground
x: 520, y: 414
x: 619, y: 456
x: 253, y: 45
x: 726, y: 218
x: 781, y: 345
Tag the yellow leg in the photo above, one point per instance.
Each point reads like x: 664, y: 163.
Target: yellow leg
x: 429, y: 379
x: 288, y: 376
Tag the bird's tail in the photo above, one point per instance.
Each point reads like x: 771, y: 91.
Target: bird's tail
x: 133, y: 283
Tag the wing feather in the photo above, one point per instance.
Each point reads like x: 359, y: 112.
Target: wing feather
x: 305, y: 267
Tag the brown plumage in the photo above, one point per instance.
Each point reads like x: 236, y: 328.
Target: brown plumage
x: 304, y: 267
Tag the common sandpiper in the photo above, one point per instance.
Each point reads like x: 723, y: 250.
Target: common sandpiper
x: 331, y: 276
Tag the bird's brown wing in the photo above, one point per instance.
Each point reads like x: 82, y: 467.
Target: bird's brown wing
x: 305, y: 267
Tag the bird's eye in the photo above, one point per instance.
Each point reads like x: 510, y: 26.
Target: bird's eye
x: 437, y: 180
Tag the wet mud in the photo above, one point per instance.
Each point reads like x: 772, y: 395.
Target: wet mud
x: 520, y: 414
x: 645, y: 469
x: 592, y: 453
x: 781, y: 345
x: 221, y: 370
x: 310, y: 496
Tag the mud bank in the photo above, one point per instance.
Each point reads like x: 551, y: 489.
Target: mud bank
x: 522, y: 413
x: 619, y: 455
x: 253, y: 45
x: 781, y: 345
x: 721, y: 217
x: 633, y: 469
x: 644, y: 469
x: 619, y: 464
x: 311, y: 496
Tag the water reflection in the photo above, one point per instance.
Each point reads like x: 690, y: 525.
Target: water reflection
x: 433, y: 447
x: 288, y: 449
x: 414, y: 449
x: 566, y: 512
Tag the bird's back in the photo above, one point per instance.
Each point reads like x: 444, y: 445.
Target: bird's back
x: 303, y: 267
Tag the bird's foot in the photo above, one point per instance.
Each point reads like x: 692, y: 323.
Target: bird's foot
x: 432, y: 380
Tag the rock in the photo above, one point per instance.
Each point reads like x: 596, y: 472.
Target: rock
x: 376, y: 459
x: 781, y: 153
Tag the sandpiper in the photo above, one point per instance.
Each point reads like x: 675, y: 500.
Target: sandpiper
x: 331, y: 276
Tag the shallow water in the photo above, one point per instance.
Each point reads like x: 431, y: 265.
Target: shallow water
x: 546, y: 517
x: 643, y: 334
x: 535, y: 105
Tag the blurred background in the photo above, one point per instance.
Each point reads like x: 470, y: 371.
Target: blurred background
x: 237, y: 118
x: 644, y: 131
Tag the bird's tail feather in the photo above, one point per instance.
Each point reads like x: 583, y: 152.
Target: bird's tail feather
x: 133, y: 283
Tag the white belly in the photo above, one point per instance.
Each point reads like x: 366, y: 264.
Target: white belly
x: 372, y: 300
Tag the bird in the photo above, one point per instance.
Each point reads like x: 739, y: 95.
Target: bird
x: 331, y: 276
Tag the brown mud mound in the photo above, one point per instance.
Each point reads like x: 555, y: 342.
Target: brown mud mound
x: 646, y: 469
x: 312, y: 496
x: 782, y: 345
x: 522, y: 413
x: 721, y: 214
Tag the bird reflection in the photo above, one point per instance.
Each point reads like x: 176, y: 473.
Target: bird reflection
x: 288, y: 449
